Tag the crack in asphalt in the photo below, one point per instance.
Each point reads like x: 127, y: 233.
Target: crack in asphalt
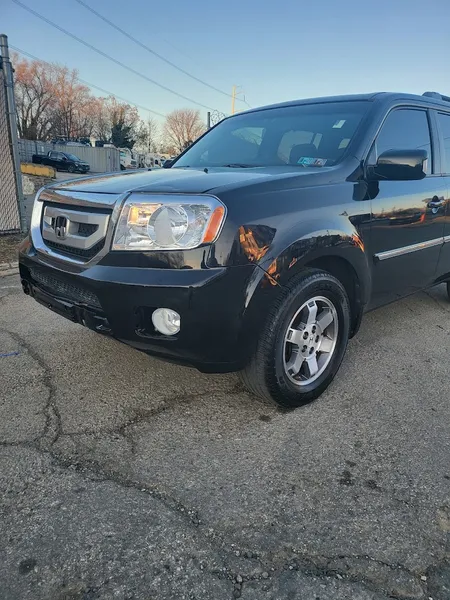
x: 101, y: 474
x: 52, y: 427
x: 308, y: 565
x: 144, y: 415
x: 321, y: 566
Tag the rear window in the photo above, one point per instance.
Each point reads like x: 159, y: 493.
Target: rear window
x: 313, y: 135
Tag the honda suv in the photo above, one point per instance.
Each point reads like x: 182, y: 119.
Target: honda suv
x: 263, y: 244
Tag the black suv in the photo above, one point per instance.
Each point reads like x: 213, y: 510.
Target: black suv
x: 61, y: 161
x: 262, y: 245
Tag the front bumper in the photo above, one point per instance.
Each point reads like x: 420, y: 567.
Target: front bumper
x: 119, y: 301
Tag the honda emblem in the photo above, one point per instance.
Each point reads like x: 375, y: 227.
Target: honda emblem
x: 61, y: 224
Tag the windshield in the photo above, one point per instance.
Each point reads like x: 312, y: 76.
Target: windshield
x: 72, y: 157
x: 310, y: 135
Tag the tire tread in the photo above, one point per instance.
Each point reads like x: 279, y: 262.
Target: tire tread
x: 254, y: 375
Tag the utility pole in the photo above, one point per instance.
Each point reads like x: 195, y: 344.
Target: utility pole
x: 236, y: 91
x: 208, y: 120
x: 151, y: 132
x: 12, y: 118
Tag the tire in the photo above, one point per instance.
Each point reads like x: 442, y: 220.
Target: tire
x: 71, y: 169
x: 272, y: 370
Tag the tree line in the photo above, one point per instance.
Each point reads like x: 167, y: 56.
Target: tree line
x: 52, y: 103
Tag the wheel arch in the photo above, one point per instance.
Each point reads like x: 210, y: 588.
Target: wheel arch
x: 338, y: 252
x: 344, y: 272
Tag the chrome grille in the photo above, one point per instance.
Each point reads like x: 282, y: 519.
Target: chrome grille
x: 73, y: 231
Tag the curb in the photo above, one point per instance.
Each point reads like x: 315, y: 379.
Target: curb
x: 9, y: 268
x: 37, y: 170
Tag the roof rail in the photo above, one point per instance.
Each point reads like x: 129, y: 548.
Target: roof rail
x: 437, y: 96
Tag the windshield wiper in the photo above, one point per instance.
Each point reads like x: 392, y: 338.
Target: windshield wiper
x: 239, y: 166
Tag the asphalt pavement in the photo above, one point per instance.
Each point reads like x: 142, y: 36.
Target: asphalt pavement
x: 123, y: 477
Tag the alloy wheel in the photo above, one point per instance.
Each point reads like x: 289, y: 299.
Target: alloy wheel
x: 310, y: 340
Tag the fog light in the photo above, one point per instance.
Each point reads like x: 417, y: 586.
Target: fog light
x: 166, y: 321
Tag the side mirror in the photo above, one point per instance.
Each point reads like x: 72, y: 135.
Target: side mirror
x: 64, y: 159
x: 400, y: 165
x: 167, y: 164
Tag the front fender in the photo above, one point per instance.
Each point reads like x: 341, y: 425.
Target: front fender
x: 310, y: 242
x: 299, y: 249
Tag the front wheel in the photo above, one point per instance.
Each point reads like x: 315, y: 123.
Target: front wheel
x: 303, y: 342
x: 71, y: 169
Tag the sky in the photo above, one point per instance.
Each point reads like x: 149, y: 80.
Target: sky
x: 274, y: 50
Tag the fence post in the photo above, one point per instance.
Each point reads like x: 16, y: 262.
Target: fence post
x: 12, y: 118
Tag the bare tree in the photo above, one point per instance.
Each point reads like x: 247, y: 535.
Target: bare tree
x: 147, y: 136
x: 72, y: 114
x: 51, y: 102
x: 153, y: 138
x: 34, y: 85
x: 182, y: 127
x: 102, y: 122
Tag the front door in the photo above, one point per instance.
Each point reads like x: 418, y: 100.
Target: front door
x: 407, y: 227
x: 55, y: 159
x: 443, y: 121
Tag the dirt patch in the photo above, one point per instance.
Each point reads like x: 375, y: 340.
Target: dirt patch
x: 8, y: 247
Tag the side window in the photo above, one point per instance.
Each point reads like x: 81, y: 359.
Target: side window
x: 404, y: 129
x: 444, y: 126
x: 54, y: 155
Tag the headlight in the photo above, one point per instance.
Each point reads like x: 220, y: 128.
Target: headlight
x: 168, y: 222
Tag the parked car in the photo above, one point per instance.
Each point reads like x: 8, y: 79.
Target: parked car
x: 62, y: 161
x: 264, y: 243
x: 127, y: 159
x: 152, y: 160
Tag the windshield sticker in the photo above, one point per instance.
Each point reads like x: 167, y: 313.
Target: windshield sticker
x: 339, y: 124
x: 307, y: 161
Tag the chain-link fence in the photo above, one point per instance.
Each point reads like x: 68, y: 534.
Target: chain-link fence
x: 216, y: 116
x: 9, y: 211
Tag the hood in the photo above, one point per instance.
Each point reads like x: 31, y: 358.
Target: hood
x: 187, y: 180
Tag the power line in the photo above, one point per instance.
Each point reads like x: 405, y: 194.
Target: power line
x: 92, y: 85
x: 121, y: 64
x: 142, y: 45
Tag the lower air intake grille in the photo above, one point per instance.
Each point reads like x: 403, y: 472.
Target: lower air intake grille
x: 76, y: 252
x: 63, y: 289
